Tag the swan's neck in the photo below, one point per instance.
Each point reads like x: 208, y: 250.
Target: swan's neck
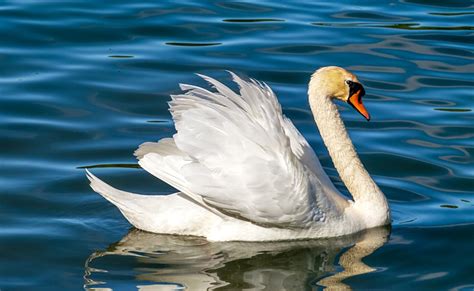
x: 367, y: 196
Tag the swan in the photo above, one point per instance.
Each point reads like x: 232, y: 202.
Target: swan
x: 245, y: 173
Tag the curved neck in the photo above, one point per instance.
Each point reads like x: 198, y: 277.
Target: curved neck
x: 363, y: 189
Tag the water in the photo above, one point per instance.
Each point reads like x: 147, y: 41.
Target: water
x: 84, y: 82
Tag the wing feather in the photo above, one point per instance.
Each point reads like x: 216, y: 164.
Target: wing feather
x: 239, y: 154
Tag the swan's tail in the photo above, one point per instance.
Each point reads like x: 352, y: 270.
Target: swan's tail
x: 142, y: 211
x: 125, y: 201
x: 173, y: 214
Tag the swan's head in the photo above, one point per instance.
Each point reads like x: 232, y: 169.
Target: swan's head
x: 338, y: 83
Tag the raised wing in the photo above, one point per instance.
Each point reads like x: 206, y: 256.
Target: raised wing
x: 238, y: 153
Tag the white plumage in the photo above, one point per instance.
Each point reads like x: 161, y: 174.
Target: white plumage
x: 243, y: 170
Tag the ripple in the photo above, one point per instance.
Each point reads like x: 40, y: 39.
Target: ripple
x: 247, y: 7
x: 451, y: 51
x: 369, y: 15
x: 453, y: 109
x: 448, y: 206
x: 445, y: 67
x: 121, y: 56
x: 377, y: 69
x: 85, y: 82
x: 452, y: 13
x: 193, y: 44
x: 250, y: 20
x: 297, y: 49
x: 444, y: 82
x: 126, y: 166
x: 401, y: 166
x: 449, y: 38
x: 417, y: 26
x: 450, y: 4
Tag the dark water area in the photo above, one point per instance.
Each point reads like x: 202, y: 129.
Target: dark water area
x: 83, y: 83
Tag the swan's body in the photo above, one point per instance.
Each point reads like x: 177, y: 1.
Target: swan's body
x: 246, y: 173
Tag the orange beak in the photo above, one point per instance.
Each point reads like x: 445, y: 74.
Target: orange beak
x: 356, y: 101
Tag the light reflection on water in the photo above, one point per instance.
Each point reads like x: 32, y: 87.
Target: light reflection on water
x: 84, y: 82
x: 168, y: 262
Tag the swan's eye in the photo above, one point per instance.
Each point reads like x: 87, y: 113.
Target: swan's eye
x: 355, y: 87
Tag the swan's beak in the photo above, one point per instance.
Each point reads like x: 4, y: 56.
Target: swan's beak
x: 356, y: 101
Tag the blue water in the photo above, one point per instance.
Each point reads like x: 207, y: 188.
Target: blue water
x: 82, y: 83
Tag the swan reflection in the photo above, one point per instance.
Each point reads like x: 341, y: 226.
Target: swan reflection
x: 148, y: 261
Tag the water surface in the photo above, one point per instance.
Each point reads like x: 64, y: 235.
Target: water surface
x: 83, y: 83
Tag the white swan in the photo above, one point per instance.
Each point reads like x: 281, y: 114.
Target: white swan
x: 245, y: 172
